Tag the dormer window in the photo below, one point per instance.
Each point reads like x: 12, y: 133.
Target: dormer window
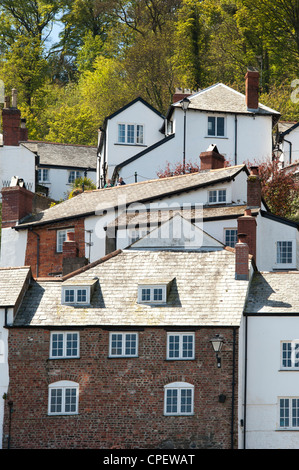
x: 77, y: 293
x: 153, y: 293
x: 217, y: 196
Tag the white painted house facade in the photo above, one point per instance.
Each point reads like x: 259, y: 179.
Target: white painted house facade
x: 271, y: 396
x: 236, y: 123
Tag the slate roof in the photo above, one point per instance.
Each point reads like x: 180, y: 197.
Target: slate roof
x: 12, y: 281
x: 64, y: 155
x: 274, y: 293
x: 97, y: 201
x: 203, y: 292
x: 154, y: 217
x: 221, y: 98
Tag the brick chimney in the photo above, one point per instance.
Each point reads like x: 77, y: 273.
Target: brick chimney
x: 252, y: 89
x: 242, y: 257
x: 180, y: 94
x: 16, y: 204
x: 71, y: 261
x: 247, y: 225
x: 211, y: 159
x: 14, y: 130
x: 254, y: 189
x: 69, y: 248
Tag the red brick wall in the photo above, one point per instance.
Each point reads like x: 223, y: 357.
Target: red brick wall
x: 121, y: 401
x: 16, y: 204
x: 49, y: 260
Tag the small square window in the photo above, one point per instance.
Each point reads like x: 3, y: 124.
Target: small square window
x: 61, y: 237
x: 284, y: 252
x: 43, y: 175
x: 231, y: 237
x: 180, y: 346
x: 123, y: 344
x: 73, y: 175
x: 179, y: 399
x: 217, y: 196
x: 290, y: 355
x: 152, y: 294
x: 64, y: 345
x: 76, y: 295
x: 216, y: 126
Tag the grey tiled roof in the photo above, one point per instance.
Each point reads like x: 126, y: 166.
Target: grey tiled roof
x: 274, y: 292
x: 159, y: 216
x: 12, y: 281
x: 97, y: 201
x: 64, y: 155
x: 203, y: 292
x: 220, y: 97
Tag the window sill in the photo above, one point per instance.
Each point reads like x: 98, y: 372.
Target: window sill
x: 130, y: 145
x: 215, y: 137
x: 122, y: 357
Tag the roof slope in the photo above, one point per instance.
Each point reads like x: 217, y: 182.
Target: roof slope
x: 274, y: 293
x: 12, y: 281
x: 64, y: 155
x: 91, y: 202
x: 203, y: 292
x: 221, y: 98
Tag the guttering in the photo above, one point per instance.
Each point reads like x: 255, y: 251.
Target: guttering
x: 245, y: 382
x: 236, y: 138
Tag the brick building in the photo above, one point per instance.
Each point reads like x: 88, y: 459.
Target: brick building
x: 119, y: 353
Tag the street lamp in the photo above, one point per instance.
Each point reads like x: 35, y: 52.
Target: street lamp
x: 184, y: 105
x: 217, y: 343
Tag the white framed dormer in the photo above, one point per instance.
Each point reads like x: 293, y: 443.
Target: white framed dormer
x: 216, y: 126
x: 285, y: 254
x: 153, y: 293
x: 130, y: 133
x: 77, y: 292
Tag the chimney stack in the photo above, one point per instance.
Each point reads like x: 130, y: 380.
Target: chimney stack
x: 242, y: 257
x: 16, y: 204
x: 71, y: 261
x: 211, y: 159
x: 247, y: 225
x: 180, y: 94
x: 252, y: 89
x: 13, y: 130
x: 70, y: 249
x: 254, y: 189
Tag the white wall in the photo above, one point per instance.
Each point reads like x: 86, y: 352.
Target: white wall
x: 268, y: 233
x: 116, y: 153
x: 254, y: 143
x: 58, y: 182
x: 13, y: 247
x: 266, y: 382
x: 292, y: 137
x: 17, y: 161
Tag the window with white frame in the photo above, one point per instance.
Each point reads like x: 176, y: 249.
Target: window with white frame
x: 61, y: 237
x: 64, y: 345
x: 290, y: 355
x: 73, y: 175
x: 123, y: 344
x: 216, y: 126
x: 230, y: 237
x: 76, y: 295
x: 180, y: 345
x: 152, y: 294
x: 135, y: 235
x: 43, y: 175
x: 178, y: 398
x: 63, y: 398
x: 217, y: 196
x: 285, y: 253
x: 288, y: 412
x: 130, y: 134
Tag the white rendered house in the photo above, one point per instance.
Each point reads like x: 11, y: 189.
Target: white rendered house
x: 236, y: 123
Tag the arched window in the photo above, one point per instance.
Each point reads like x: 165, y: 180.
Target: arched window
x: 179, y: 398
x: 63, y: 398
